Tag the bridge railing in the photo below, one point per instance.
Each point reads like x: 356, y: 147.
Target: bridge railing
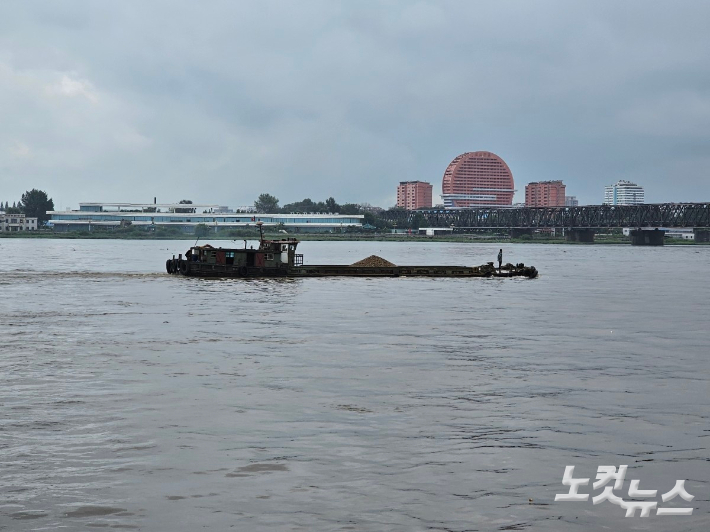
x: 695, y: 215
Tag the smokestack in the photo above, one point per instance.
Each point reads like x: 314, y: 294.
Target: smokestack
x: 155, y: 200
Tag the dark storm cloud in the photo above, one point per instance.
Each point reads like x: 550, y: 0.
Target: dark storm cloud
x: 219, y: 101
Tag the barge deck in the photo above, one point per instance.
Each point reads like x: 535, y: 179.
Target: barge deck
x: 487, y: 270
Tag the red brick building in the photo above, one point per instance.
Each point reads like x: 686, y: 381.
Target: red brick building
x: 545, y: 194
x: 413, y: 195
x: 477, y: 179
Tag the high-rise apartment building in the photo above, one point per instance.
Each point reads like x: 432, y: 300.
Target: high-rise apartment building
x: 413, y: 195
x: 571, y: 201
x: 545, y: 194
x: 623, y: 193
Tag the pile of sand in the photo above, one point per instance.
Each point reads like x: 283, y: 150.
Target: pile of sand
x: 374, y: 261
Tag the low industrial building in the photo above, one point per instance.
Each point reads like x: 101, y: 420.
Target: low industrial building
x: 433, y: 231
x: 683, y: 233
x: 92, y: 216
x: 10, y: 223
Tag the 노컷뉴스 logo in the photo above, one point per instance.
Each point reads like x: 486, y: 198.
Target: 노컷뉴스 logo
x: 605, y: 474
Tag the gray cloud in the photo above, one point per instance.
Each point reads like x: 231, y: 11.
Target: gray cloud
x: 220, y: 101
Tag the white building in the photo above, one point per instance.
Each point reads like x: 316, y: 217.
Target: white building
x: 433, y: 231
x: 91, y: 216
x: 623, y: 193
x: 571, y: 201
x: 16, y: 222
x: 669, y: 232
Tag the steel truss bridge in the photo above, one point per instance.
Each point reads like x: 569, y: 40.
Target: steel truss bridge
x: 689, y: 215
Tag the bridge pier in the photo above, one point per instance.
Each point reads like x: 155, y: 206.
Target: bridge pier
x: 702, y: 235
x: 647, y: 237
x: 580, y: 235
x: 517, y: 232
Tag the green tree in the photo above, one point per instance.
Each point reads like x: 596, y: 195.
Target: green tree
x: 331, y: 205
x: 350, y: 208
x: 372, y: 219
x: 307, y: 205
x: 201, y: 230
x: 35, y: 204
x: 266, y: 203
x: 418, y: 221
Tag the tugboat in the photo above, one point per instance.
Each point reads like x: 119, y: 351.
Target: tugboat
x: 278, y: 258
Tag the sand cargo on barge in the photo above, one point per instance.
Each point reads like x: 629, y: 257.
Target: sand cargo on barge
x: 278, y: 258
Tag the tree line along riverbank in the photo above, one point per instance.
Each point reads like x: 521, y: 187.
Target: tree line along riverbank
x: 238, y: 235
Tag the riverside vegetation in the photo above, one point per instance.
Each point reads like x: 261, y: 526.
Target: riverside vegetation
x: 35, y: 203
x: 171, y: 233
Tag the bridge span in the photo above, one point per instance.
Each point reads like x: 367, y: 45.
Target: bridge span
x: 579, y: 223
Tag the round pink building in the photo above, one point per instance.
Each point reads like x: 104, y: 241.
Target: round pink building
x: 477, y: 179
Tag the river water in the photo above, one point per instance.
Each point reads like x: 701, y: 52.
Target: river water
x: 131, y: 399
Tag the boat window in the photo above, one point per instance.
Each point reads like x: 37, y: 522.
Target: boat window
x: 269, y: 256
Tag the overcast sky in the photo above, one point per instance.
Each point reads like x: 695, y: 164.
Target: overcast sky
x: 220, y: 101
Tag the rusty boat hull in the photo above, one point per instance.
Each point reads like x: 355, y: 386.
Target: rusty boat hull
x: 191, y: 269
x: 411, y: 271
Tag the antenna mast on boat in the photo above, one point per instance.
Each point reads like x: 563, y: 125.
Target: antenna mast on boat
x: 261, y: 233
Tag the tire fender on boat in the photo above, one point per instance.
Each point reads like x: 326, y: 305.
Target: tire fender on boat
x: 184, y: 267
x: 243, y: 271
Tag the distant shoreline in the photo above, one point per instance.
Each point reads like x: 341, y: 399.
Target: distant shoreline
x: 612, y: 239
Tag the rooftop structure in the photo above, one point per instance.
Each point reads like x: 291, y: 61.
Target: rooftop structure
x: 412, y: 195
x: 545, y: 194
x: 477, y: 179
x: 623, y: 193
x: 152, y: 207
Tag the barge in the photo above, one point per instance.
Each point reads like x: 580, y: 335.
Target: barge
x: 278, y: 258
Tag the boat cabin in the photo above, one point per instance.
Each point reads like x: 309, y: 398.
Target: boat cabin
x: 278, y: 254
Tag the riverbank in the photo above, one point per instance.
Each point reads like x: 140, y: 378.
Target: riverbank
x: 347, y: 237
